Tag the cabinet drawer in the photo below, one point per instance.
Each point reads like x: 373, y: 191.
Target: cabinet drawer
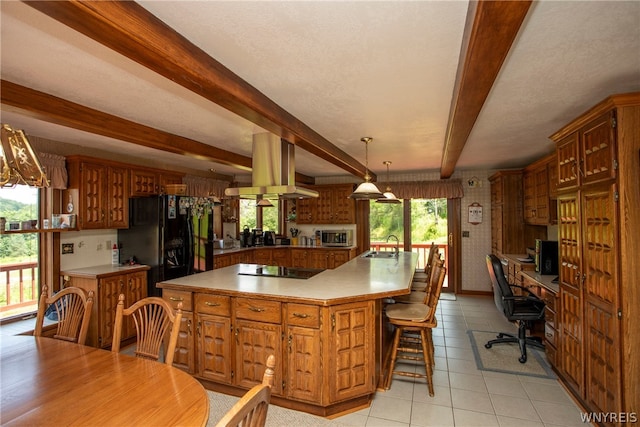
x: 174, y: 297
x: 550, y: 334
x: 550, y: 300
x: 551, y: 353
x: 303, y: 315
x: 213, y: 304
x: 550, y: 317
x: 257, y: 309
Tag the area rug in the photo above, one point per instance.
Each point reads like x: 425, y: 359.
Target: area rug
x: 504, y: 357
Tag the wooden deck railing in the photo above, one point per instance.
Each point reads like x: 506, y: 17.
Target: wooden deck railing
x: 19, y: 283
x: 421, y: 248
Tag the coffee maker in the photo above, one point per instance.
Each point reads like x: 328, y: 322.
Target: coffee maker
x: 246, y: 238
x: 258, y: 237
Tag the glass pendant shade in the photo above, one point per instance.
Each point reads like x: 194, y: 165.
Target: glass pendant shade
x: 367, y: 190
x: 264, y: 203
x: 388, y: 196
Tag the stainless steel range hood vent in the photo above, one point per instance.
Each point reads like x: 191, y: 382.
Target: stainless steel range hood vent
x: 273, y: 171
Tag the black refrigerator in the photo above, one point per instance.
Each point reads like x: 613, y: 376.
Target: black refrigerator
x: 161, y: 235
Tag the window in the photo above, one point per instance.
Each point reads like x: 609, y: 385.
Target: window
x: 249, y: 215
x: 19, y: 251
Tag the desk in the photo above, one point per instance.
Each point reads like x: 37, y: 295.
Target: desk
x: 52, y: 382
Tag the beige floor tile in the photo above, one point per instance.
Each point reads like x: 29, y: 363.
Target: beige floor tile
x: 547, y: 393
x: 464, y: 366
x: 471, y: 401
x: 431, y: 415
x: 381, y: 422
x: 458, y: 342
x: 517, y: 422
x: 465, y: 418
x: 561, y: 415
x: 467, y: 382
x: 514, y: 407
x: 391, y: 408
x: 505, y: 386
x: 441, y: 395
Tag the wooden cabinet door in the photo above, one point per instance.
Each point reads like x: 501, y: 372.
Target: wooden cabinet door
x: 324, y: 206
x: 529, y: 196
x: 570, y: 297
x: 350, y: 344
x: 92, y: 203
x: 109, y: 289
x: 542, y: 214
x: 338, y: 258
x: 496, y: 229
x: 280, y: 257
x: 304, y: 363
x: 601, y: 296
x: 318, y: 258
x: 344, y: 208
x: 255, y: 341
x: 144, y: 183
x: 598, y: 149
x: 262, y: 256
x: 568, y: 165
x: 305, y: 211
x: 214, y: 347
x: 118, y: 198
x: 184, y: 356
x: 299, y: 258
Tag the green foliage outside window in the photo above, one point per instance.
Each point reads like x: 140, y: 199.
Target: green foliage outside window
x: 18, y: 247
x: 248, y: 215
x: 428, y: 220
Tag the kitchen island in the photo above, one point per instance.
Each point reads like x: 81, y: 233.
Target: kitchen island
x: 327, y: 331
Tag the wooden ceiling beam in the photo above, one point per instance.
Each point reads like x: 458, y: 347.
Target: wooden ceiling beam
x: 490, y: 30
x: 128, y: 28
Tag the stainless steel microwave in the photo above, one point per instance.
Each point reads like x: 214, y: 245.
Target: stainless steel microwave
x: 336, y: 237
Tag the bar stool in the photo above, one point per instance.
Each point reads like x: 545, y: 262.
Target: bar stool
x: 421, y: 296
x: 421, y: 279
x: 414, y: 323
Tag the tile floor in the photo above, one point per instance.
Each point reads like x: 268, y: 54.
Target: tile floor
x: 464, y: 395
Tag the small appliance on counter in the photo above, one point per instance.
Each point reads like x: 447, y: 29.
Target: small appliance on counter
x: 258, y: 237
x: 246, y: 238
x: 336, y: 238
x: 269, y: 238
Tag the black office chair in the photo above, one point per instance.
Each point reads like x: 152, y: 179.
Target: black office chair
x: 523, y: 309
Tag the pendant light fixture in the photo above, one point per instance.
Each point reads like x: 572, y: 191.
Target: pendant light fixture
x: 367, y: 190
x: 388, y: 196
x: 264, y: 203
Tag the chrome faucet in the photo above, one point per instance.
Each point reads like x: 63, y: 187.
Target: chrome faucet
x: 397, y: 248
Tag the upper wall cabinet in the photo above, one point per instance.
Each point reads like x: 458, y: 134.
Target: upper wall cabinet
x: 100, y: 193
x: 539, y: 194
x: 100, y: 190
x: 333, y: 206
x: 587, y: 155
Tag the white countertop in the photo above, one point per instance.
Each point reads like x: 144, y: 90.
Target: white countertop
x: 250, y: 248
x: 361, y: 279
x: 104, y: 270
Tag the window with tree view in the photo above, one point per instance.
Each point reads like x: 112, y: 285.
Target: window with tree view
x: 19, y: 251
x: 249, y: 215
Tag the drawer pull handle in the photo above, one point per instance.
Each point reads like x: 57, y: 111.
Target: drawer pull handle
x: 300, y: 315
x: 256, y: 309
x: 212, y: 304
x: 176, y: 298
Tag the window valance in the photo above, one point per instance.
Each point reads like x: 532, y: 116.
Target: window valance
x: 198, y: 186
x: 55, y: 168
x: 442, y: 189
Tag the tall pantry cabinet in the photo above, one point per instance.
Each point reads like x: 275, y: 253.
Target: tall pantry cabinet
x: 599, y: 234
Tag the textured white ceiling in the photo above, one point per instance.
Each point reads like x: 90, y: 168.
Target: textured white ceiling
x: 384, y: 69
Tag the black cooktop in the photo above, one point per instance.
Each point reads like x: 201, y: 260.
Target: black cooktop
x: 275, y: 271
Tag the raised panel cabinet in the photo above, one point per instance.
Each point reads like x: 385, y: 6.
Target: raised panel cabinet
x: 599, y: 225
x: 99, y: 192
x: 507, y: 224
x: 333, y: 206
x: 107, y: 287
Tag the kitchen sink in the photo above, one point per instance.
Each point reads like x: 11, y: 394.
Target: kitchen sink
x: 374, y: 254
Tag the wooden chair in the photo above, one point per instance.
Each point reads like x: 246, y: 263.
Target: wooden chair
x: 154, y: 319
x: 413, y: 325
x: 420, y: 279
x: 418, y: 295
x: 73, y: 307
x: 251, y: 409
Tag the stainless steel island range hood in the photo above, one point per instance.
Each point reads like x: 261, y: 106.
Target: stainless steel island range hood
x: 273, y: 171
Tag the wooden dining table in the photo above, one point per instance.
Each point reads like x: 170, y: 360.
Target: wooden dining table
x: 45, y: 381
